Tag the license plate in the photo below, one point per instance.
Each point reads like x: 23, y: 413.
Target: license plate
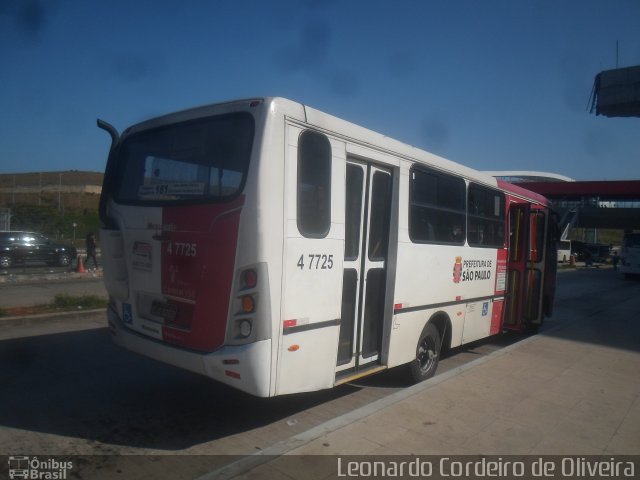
x: 166, y: 311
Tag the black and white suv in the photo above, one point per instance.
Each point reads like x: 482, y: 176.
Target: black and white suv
x: 29, y: 247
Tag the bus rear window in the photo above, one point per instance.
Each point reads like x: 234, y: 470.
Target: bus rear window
x: 201, y: 160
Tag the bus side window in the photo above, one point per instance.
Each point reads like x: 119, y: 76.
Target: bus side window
x: 314, y: 184
x: 436, y: 207
x: 536, y: 242
x: 486, y: 220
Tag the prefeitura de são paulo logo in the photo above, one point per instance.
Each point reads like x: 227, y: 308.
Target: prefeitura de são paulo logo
x: 457, y: 270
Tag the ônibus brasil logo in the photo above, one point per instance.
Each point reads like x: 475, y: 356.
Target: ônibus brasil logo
x: 34, y: 468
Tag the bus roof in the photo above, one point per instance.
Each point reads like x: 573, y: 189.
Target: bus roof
x: 340, y: 128
x: 379, y: 141
x: 523, y: 192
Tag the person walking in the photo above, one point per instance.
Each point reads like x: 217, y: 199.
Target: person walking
x: 91, y: 250
x: 615, y: 259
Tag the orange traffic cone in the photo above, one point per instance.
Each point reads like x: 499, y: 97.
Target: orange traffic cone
x: 80, y: 268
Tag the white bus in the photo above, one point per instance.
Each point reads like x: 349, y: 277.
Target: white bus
x: 630, y: 255
x: 564, y: 251
x: 278, y: 249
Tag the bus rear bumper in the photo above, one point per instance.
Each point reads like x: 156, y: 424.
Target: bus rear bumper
x: 247, y: 367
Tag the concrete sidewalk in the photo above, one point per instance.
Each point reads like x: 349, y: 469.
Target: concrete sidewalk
x: 571, y: 390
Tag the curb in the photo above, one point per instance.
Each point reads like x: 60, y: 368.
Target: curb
x: 32, y: 320
x: 283, y: 447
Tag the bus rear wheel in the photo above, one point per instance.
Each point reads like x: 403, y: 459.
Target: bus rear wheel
x: 427, y: 354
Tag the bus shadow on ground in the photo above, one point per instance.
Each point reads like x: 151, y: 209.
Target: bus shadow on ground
x: 80, y: 385
x: 400, y: 377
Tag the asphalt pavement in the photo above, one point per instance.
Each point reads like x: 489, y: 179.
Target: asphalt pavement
x: 571, y: 391
x: 37, y: 287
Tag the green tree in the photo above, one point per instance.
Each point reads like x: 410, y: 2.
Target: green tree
x: 53, y: 223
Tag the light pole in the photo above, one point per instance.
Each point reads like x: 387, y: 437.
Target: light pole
x: 74, y: 232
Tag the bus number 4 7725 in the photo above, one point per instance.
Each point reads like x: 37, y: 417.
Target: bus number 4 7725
x: 182, y: 249
x: 316, y: 262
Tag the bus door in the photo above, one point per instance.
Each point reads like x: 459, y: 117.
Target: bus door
x: 527, y: 229
x: 533, y: 311
x: 368, y: 197
x: 516, y: 264
x: 551, y: 263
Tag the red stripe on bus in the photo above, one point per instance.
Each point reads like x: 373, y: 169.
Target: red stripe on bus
x: 198, y: 263
x: 501, y: 281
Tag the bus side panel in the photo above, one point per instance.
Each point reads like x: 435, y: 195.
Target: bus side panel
x: 264, y: 239
x: 500, y: 291
x: 310, y: 329
x: 139, y: 268
x: 477, y: 320
x: 477, y: 282
x: 438, y: 279
x: 496, y: 317
x: 407, y: 328
x: 307, y: 362
x: 312, y: 284
x: 419, y: 269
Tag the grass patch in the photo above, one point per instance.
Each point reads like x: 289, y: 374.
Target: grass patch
x: 61, y: 303
x: 64, y: 301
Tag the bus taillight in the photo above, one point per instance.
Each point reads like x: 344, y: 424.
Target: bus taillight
x: 248, y: 321
x: 242, y: 329
x: 249, y: 278
x: 248, y: 304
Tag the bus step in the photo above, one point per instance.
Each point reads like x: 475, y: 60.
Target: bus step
x: 346, y: 377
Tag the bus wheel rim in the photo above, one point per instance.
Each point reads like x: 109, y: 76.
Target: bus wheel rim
x: 426, y: 353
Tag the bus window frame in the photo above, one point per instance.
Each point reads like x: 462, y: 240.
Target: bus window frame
x: 483, y: 219
x: 436, y: 207
x: 114, y: 184
x: 300, y: 220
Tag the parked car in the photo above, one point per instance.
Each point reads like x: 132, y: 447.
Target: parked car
x: 599, y: 253
x: 28, y: 247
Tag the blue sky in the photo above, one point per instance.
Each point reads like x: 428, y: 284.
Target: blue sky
x: 494, y: 84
